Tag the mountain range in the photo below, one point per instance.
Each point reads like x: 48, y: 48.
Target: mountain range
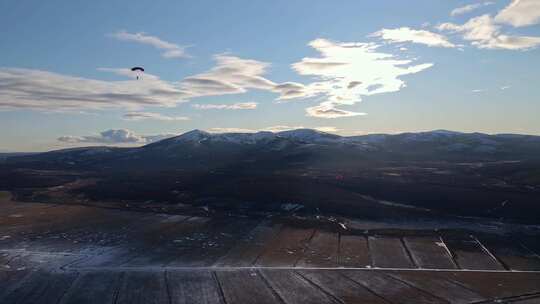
x: 215, y: 149
x: 446, y: 172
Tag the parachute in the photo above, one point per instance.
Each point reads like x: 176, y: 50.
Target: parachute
x: 138, y: 70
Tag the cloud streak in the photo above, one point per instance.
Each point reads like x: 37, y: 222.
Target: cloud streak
x: 231, y: 75
x: 137, y: 116
x: 170, y: 50
x: 234, y: 75
x: 234, y: 106
x: 48, y: 91
x: 406, y: 34
x: 42, y: 90
x: 484, y: 33
x: 468, y: 8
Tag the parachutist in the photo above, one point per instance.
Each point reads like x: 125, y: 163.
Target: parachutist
x: 138, y: 71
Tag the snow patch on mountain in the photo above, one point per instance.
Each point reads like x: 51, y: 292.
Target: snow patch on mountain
x: 309, y: 135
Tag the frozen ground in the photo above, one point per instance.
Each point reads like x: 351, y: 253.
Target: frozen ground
x: 80, y: 254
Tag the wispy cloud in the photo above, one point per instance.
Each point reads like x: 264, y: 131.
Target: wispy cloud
x: 485, y: 34
x: 478, y: 90
x: 113, y: 136
x: 342, y: 64
x: 520, y: 13
x: 505, y: 87
x: 291, y: 90
x: 170, y: 50
x: 234, y: 106
x: 469, y: 8
x: 136, y: 116
x: 406, y: 34
x: 234, y: 75
x: 42, y: 90
x: 47, y: 91
x: 231, y: 75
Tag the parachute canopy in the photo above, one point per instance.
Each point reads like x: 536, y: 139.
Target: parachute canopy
x: 138, y: 70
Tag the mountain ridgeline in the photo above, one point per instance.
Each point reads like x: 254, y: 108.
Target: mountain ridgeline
x: 218, y: 149
x: 378, y: 175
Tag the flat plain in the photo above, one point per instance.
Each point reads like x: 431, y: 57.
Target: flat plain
x: 51, y: 253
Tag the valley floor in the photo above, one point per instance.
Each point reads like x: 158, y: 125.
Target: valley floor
x: 78, y: 254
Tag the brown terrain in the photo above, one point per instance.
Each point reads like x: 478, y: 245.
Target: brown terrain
x: 58, y: 253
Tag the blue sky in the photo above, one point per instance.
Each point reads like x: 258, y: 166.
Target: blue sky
x: 352, y: 67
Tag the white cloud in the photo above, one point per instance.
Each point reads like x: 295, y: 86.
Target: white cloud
x: 329, y: 110
x: 478, y: 91
x: 406, y: 34
x: 485, y: 34
x: 505, y: 87
x: 291, y: 90
x: 152, y: 116
x: 234, y: 75
x: 343, y: 73
x: 113, y: 136
x: 234, y: 106
x: 343, y: 64
x: 170, y: 50
x: 520, y: 13
x: 468, y: 8
x: 231, y: 75
x: 41, y: 90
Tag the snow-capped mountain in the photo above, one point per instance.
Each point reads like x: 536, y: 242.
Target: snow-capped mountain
x: 191, y: 136
x: 311, y: 136
x: 302, y: 135
x: 201, y: 148
x: 455, y: 141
